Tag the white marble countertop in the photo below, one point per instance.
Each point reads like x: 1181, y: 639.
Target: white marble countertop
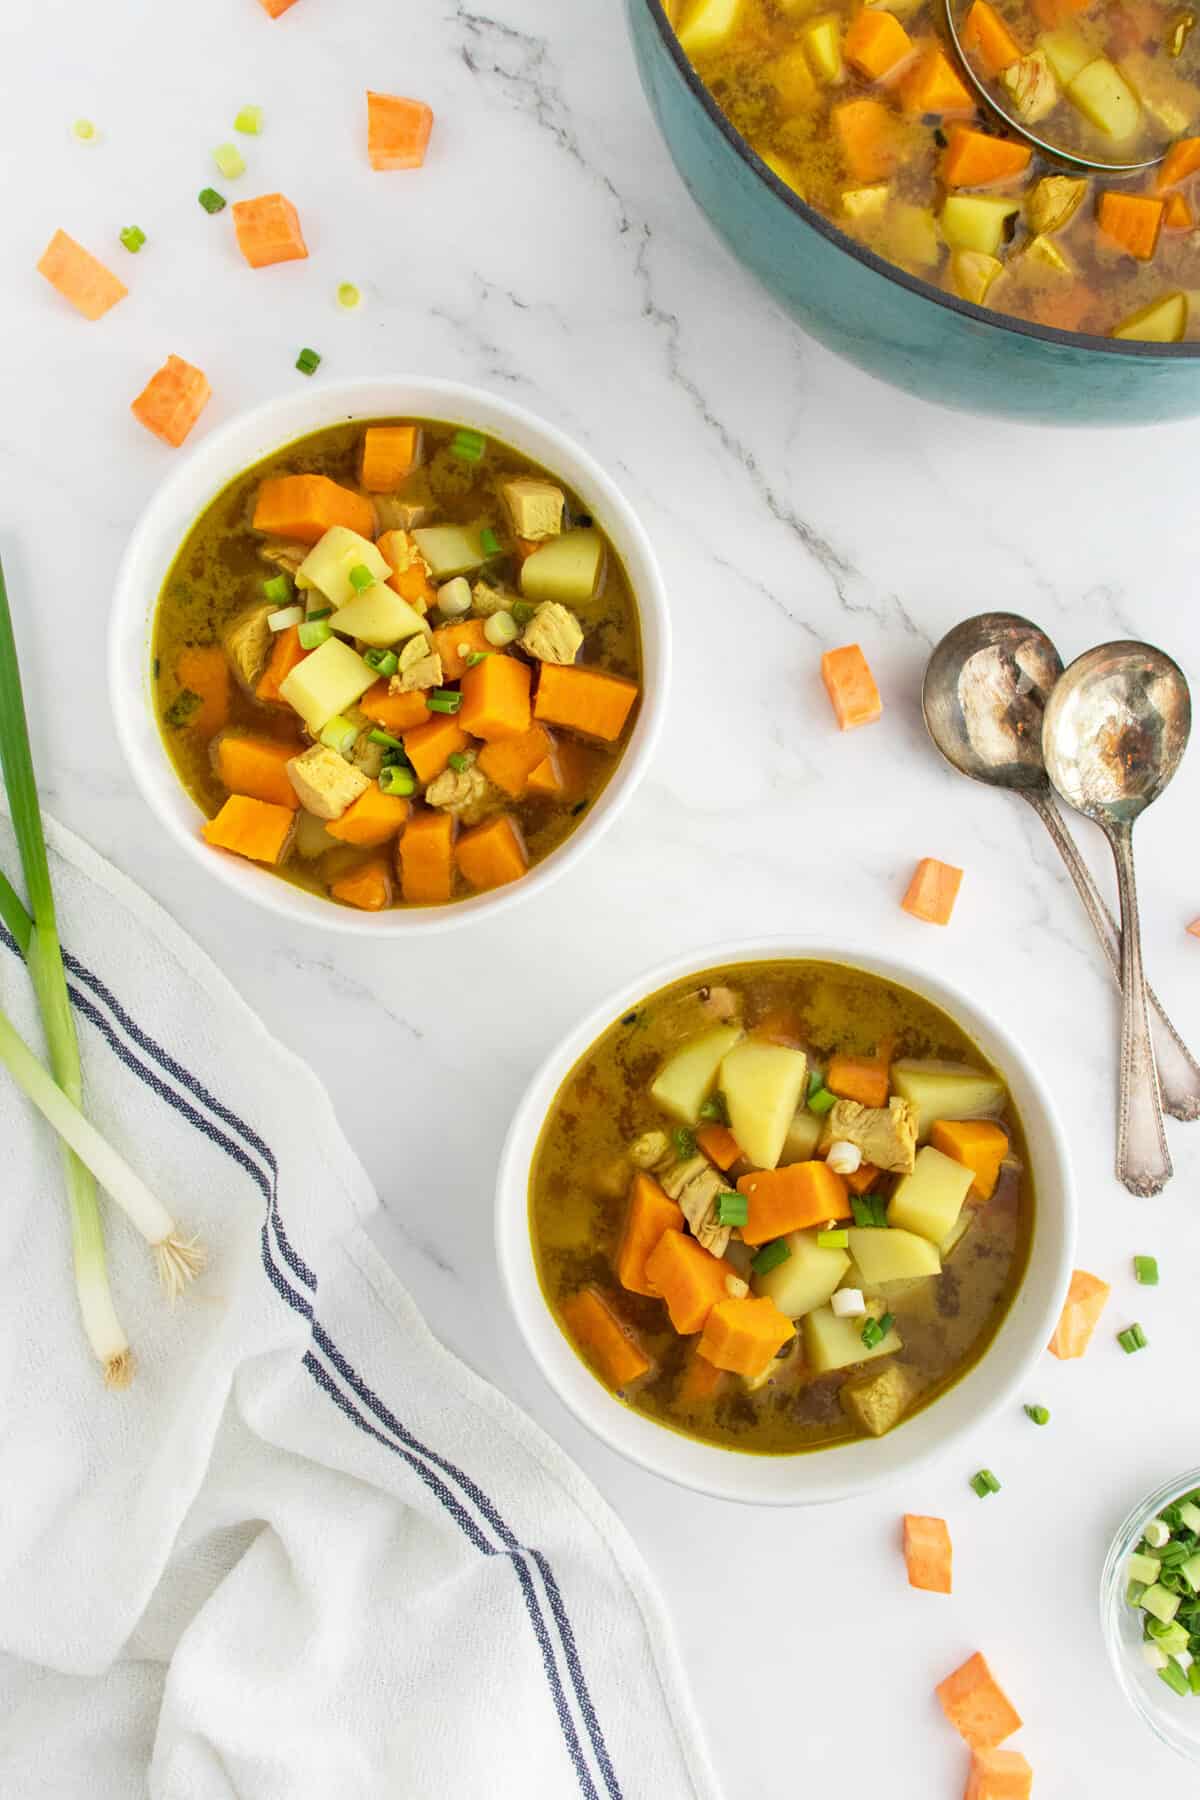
x: 549, y: 249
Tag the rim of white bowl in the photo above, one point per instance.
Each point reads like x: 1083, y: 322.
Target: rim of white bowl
x: 220, y: 458
x: 846, y: 1470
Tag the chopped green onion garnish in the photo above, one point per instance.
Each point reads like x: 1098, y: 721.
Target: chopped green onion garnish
x: 249, y: 121
x: 714, y: 1111
x: 1172, y: 1638
x: 285, y: 617
x: 385, y: 740
x: 277, y: 587
x: 684, y: 1142
x: 339, y: 734
x: 444, y: 700
x: 308, y: 362
x: 1175, y: 1678
x: 459, y: 761
x: 489, y: 543
x: 229, y: 160
x: 886, y: 1323
x: 1131, y: 1339
x: 833, y: 1240
x: 1039, y: 1414
x: 732, y: 1209
x: 1160, y: 1602
x: 1189, y: 1515
x: 348, y: 296
x: 1193, y: 1676
x: 770, y: 1257
x: 869, y: 1210
x: 211, y: 201
x: 872, y: 1333
x: 361, y: 577
x: 133, y: 237
x: 821, y: 1101
x: 85, y: 131
x: 522, y: 612
x: 314, y: 632
x: 1134, y: 1592
x: 985, y: 1483
x: 320, y: 612
x: 477, y: 656
x: 398, y: 781
x: 1145, y: 1270
x: 468, y: 446
x: 384, y: 662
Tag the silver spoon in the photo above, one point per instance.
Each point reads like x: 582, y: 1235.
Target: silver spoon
x: 1116, y: 726
x: 984, y: 693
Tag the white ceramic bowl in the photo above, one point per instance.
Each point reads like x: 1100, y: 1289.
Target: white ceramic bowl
x: 845, y: 1469
x: 215, y: 462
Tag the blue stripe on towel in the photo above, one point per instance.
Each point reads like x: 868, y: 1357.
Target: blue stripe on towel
x: 414, y: 1453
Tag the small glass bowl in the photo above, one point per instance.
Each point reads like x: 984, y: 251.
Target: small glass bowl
x: 1175, y: 1718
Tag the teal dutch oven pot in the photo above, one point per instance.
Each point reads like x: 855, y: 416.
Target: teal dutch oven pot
x: 885, y: 320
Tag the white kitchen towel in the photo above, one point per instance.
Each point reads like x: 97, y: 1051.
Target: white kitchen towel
x: 308, y: 1555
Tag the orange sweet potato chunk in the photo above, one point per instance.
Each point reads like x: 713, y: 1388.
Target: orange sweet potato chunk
x: 600, y: 1336
x: 719, y: 1145
x: 80, y: 277
x: 999, y: 1775
x: 268, y: 231
x: 688, y: 1278
x: 851, y: 687
x: 496, y: 698
x: 977, y: 1706
x: 305, y: 506
x: 172, y: 400
x: 368, y: 887
x: 1086, y: 1299
x: 791, y: 1199
x: 928, y: 1554
x: 398, y: 131
x: 252, y: 828
x: 426, y: 859
x: 978, y: 1144
x: 932, y: 891
x: 493, y: 854
x: 650, y: 1213
x: 744, y: 1336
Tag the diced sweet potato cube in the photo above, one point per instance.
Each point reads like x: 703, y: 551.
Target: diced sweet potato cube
x: 430, y: 747
x: 80, y: 277
x: 305, y: 506
x: 398, y: 131
x: 493, y: 854
x: 932, y: 891
x: 584, y: 700
x: 426, y: 858
x: 745, y: 1336
x: 978, y: 1144
x: 928, y: 1553
x: 509, y: 762
x: 268, y: 231
x: 172, y: 400
x: 600, y: 1336
x: 688, y: 1278
x: 371, y: 820
x: 999, y: 1775
x: 649, y: 1214
x: 369, y: 887
x: 1086, y: 1299
x: 496, y: 698
x: 851, y: 687
x: 791, y: 1199
x: 977, y: 1706
x: 252, y: 828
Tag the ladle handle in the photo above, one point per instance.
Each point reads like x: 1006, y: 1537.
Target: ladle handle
x: 1178, y: 1070
x: 1143, y: 1161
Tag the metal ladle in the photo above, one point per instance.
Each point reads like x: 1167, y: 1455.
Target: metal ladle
x: 1115, y: 728
x: 984, y: 694
x: 1094, y: 164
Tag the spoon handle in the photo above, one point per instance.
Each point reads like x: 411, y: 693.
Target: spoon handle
x: 1143, y: 1161
x: 1178, y: 1071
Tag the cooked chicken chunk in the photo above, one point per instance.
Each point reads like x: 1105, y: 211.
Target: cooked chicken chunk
x: 553, y: 634
x: 879, y: 1401
x: 535, y: 507
x: 399, y: 515
x: 247, y: 643
x: 721, y: 1003
x: 1054, y: 202
x: 465, y: 793
x: 649, y: 1150
x: 886, y: 1135
x: 325, y: 783
x: 420, y: 667
x: 488, y: 599
x: 367, y: 756
x: 696, y: 1184
x: 283, y: 553
x: 1032, y: 89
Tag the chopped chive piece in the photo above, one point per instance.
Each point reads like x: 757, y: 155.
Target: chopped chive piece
x: 85, y: 131
x: 348, y: 296
x: 1175, y: 1678
x: 833, y: 1240
x: 1189, y: 1515
x: 684, y: 1142
x: 229, y: 161
x: 714, y: 1111
x: 321, y: 612
x: 384, y: 662
x: 1131, y: 1339
x: 314, y: 632
x: 489, y: 543
x: 1134, y: 1592
x: 467, y: 446
x: 308, y: 362
x: 1139, y: 1337
x: 278, y: 588
x: 1172, y: 1638
x: 361, y: 577
x: 477, y: 656
x: 339, y: 734
x: 770, y: 1257
x: 886, y: 1323
x: 460, y: 762
x: 385, y: 740
x: 444, y: 700
x: 133, y: 237
x: 1145, y: 1270
x: 821, y: 1101
x: 1193, y: 1676
x: 1039, y: 1414
x: 1160, y: 1602
x: 211, y: 201
x: 869, y: 1210
x: 249, y: 121
x: 398, y: 781
x: 732, y: 1209
x: 872, y: 1334
x: 985, y: 1483
x: 522, y: 612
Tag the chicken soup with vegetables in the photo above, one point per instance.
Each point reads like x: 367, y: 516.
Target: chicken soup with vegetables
x: 396, y: 664
x: 781, y: 1205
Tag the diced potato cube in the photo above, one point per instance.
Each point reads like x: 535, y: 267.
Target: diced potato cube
x: 379, y: 616
x: 567, y: 568
x: 972, y: 273
x: 327, y: 681
x: 930, y: 1199
x: 1106, y: 99
x: 706, y: 24
x: 833, y: 1343
x: 944, y: 1090
x: 865, y: 203
x: 809, y: 1276
x: 803, y: 1136
x: 450, y: 549
x: 822, y: 40
x: 762, y: 1084
x: 911, y: 235
x: 687, y: 1078
x: 1067, y: 51
x: 1162, y: 322
x: 792, y: 79
x: 976, y: 221
x: 898, y: 1255
x: 328, y: 564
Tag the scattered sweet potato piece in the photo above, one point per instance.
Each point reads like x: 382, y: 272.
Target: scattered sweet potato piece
x: 688, y: 1278
x: 430, y: 747
x: 599, y: 1335
x: 1131, y: 220
x: 932, y: 85
x: 172, y: 400
x: 719, y: 1145
x: 649, y: 1214
x: 928, y: 1554
x: 876, y: 43
x: 372, y: 820
x: 1177, y: 213
x: 276, y: 8
x: 745, y: 1336
x: 700, y: 1381
x: 862, y: 1078
x: 426, y: 858
x: 493, y: 854
x: 975, y: 158
x: 252, y: 828
x: 933, y: 891
x: 863, y: 1179
x: 409, y: 576
x: 286, y: 652
x: 1086, y: 1299
x: 584, y: 700
x: 986, y: 33
x: 566, y: 771
x: 868, y: 135
x: 979, y: 1145
x: 389, y: 454
x: 977, y: 1706
x: 509, y: 762
x: 851, y: 687
x: 456, y: 642
x: 80, y: 277
x: 1194, y: 928
x: 496, y: 698
x: 204, y: 670
x: 1181, y: 160
x: 256, y: 766
x: 268, y: 231
x: 394, y: 712
x: 999, y: 1775
x: 397, y: 131
x: 305, y: 506
x: 791, y: 1199
x: 368, y: 887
